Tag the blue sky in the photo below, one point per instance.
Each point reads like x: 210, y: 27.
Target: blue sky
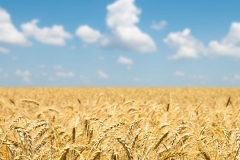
x: 119, y: 43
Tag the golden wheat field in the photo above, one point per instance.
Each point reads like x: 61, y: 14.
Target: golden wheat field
x: 119, y: 123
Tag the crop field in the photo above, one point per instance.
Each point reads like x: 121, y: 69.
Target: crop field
x: 119, y: 123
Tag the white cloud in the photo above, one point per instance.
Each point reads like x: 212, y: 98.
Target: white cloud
x: 5, y: 75
x: 185, y: 45
x: 42, y: 66
x: 125, y: 60
x: 232, y: 78
x: 102, y: 75
x: 237, y: 77
x: 65, y: 75
x: 83, y: 78
x: 51, y: 79
x: 14, y: 58
x: 121, y: 19
x: 44, y: 74
x: 179, y: 73
x: 136, y: 79
x: 229, y: 46
x: 57, y: 67
x: 129, y: 67
x: 72, y: 47
x: 8, y: 33
x: 4, y: 50
x: 53, y: 36
x: 226, y: 78
x: 199, y: 76
x: 87, y: 34
x: 24, y: 74
x: 101, y: 58
x: 1, y: 70
x: 160, y: 25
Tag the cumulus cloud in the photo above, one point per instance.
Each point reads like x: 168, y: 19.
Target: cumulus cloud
x: 57, y: 67
x: 51, y: 78
x: 185, y: 44
x: 101, y: 58
x: 83, y: 78
x: 24, y: 75
x: 56, y: 35
x: 160, y: 25
x: 102, y: 75
x: 199, y: 76
x: 237, y: 77
x: 136, y: 79
x: 125, y: 60
x: 5, y: 75
x: 8, y: 33
x: 65, y: 74
x: 42, y: 66
x: 44, y: 74
x: 228, y: 46
x: 179, y: 73
x: 87, y: 34
x: 14, y: 58
x: 4, y: 50
x: 231, y: 78
x: 72, y: 47
x: 226, y: 78
x: 122, y: 17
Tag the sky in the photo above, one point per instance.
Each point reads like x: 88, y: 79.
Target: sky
x: 119, y: 43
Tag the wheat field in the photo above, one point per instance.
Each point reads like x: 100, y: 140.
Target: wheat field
x: 119, y: 123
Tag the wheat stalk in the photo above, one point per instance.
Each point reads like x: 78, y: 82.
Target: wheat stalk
x: 161, y: 139
x: 126, y: 147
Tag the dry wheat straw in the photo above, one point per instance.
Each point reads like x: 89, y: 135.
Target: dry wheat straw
x: 115, y: 155
x: 37, y: 149
x: 54, y: 135
x: 136, y: 137
x: 131, y: 128
x: 237, y: 142
x: 147, y: 152
x: 73, y: 134
x: 178, y: 131
x: 161, y: 139
x: 12, y: 147
x: 126, y: 147
x: 30, y: 101
x: 25, y: 138
x: 97, y: 155
x: 205, y: 155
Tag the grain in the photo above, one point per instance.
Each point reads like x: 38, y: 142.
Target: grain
x: 119, y: 123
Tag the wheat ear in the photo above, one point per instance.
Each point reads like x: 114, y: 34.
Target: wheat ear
x: 161, y: 139
x: 125, y: 146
